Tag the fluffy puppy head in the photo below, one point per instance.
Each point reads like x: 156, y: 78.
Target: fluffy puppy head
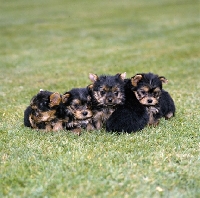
x: 107, y: 90
x: 78, y: 103
x: 45, y: 100
x: 147, y: 87
x: 44, y: 105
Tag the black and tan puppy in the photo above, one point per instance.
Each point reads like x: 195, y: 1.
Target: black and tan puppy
x: 107, y: 94
x: 41, y: 113
x: 149, y: 92
x: 130, y: 117
x: 77, y: 110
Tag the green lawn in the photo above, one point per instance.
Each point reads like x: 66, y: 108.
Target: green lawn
x: 54, y: 45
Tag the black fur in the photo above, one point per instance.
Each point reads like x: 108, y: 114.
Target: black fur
x: 107, y: 94
x: 130, y: 117
x: 76, y: 110
x: 157, y: 101
x: 27, y: 112
x: 41, y: 113
x: 166, y: 104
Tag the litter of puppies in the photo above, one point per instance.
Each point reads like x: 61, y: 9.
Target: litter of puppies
x: 112, y: 102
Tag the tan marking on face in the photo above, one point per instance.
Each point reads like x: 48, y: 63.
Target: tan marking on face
x: 141, y: 93
x: 115, y: 90
x: 144, y: 96
x: 104, y: 88
x: 71, y: 109
x: 144, y: 101
x: 157, y: 92
x: 109, y: 89
x: 76, y: 102
x: 105, y: 93
x: 137, y: 96
x: 157, y: 89
x: 75, y: 105
x: 78, y: 110
x: 79, y: 114
x: 145, y: 88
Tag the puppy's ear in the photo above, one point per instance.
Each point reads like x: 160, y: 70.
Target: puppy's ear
x: 122, y: 76
x: 93, y: 77
x: 135, y: 79
x: 65, y: 97
x: 163, y: 79
x: 90, y: 87
x: 55, y: 99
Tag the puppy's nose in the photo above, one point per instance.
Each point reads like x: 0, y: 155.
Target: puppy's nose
x: 109, y: 99
x: 84, y: 113
x: 149, y: 100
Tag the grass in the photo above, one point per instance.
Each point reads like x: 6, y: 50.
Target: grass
x: 54, y: 45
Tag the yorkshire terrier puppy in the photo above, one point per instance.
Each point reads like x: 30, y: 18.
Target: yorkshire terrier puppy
x: 107, y: 94
x: 41, y: 113
x: 130, y: 117
x: 149, y: 92
x: 77, y: 110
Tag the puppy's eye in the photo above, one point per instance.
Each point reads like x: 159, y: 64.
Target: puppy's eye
x: 44, y: 103
x: 75, y: 105
x: 156, y: 94
x: 116, y: 93
x: 88, y: 103
x: 143, y: 92
x: 102, y: 92
x: 88, y: 106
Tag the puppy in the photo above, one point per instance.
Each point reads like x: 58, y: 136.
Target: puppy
x: 148, y: 90
x: 76, y: 110
x: 41, y: 113
x: 107, y: 94
x: 130, y: 117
